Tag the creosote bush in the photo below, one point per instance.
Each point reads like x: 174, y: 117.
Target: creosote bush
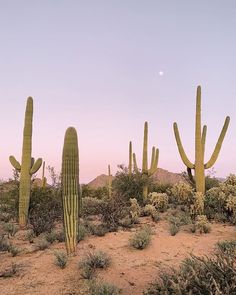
x: 142, y: 238
x: 97, y: 259
x: 102, y: 288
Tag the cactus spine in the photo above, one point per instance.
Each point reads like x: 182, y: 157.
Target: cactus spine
x: 27, y: 167
x: 109, y: 181
x: 200, y: 139
x: 154, y: 160
x: 44, y: 179
x: 70, y: 188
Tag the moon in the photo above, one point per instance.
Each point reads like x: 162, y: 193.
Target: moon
x: 161, y: 73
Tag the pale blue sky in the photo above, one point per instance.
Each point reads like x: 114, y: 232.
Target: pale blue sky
x: 94, y: 65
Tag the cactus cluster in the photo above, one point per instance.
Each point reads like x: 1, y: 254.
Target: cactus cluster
x: 200, y: 138
x: 27, y: 167
x: 70, y: 188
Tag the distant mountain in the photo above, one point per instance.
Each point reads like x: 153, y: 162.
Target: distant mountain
x: 161, y: 176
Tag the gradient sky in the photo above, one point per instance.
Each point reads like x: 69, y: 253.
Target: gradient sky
x: 95, y: 65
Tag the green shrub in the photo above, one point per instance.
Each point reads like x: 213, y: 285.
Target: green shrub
x: 82, y: 232
x: 102, y: 288
x: 228, y: 247
x: 60, y: 236
x: 182, y: 193
x: 150, y: 210
x: 29, y: 236
x: 61, y: 259
x: 51, y: 237
x: 141, y: 239
x: 13, y: 250
x: 99, y: 230
x: 198, y: 276
x: 45, y: 209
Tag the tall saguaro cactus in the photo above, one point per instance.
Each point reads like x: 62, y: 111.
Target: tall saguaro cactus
x: 27, y: 167
x: 130, y: 167
x: 200, y: 139
x: 70, y: 188
x: 154, y: 160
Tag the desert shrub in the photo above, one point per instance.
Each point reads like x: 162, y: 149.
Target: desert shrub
x: 112, y: 211
x: 91, y: 206
x: 174, y: 229
x: 44, y: 210
x: 29, y: 236
x: 141, y: 239
x: 198, y: 276
x: 126, y: 222
x: 197, y: 208
x: 42, y: 244
x: 219, y: 201
x: 180, y: 219
x: 60, y: 236
x: 51, y: 237
x: 211, y: 182
x: 11, y: 228
x: 150, y: 210
x: 228, y: 247
x: 98, y: 193
x: 10, y: 271
x: 182, y: 193
x: 9, y: 201
x: 160, y: 187
x: 202, y: 224
x: 61, y: 259
x: 102, y: 288
x: 99, y: 230
x: 159, y: 201
x: 4, y: 243
x: 91, y: 262
x: 130, y: 186
x: 82, y: 232
x: 14, y: 250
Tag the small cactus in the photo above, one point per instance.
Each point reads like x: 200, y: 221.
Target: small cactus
x: 44, y: 179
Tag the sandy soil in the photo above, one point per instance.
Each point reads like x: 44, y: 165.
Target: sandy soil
x: 131, y: 269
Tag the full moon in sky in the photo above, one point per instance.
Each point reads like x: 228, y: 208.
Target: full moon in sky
x: 161, y: 73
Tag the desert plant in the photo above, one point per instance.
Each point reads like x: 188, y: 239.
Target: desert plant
x: 146, y: 172
x: 150, y: 210
x: 11, y: 228
x: 42, y: 244
x: 102, y: 288
x: 227, y: 247
x: 27, y: 167
x: 10, y: 271
x: 99, y: 230
x: 109, y: 186
x: 197, y: 208
x: 198, y: 276
x: 200, y: 138
x: 91, y: 206
x: 182, y: 193
x: 44, y: 179
x: 14, y: 250
x: 4, y: 243
x: 96, y: 259
x: 82, y: 232
x: 159, y: 201
x: 141, y: 239
x: 202, y: 224
x: 51, y: 236
x: 134, y: 210
x: 174, y: 229
x: 61, y: 259
x: 70, y: 189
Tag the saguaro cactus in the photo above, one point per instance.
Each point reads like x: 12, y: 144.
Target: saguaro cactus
x: 109, y: 181
x: 130, y: 167
x: 70, y: 188
x: 200, y: 139
x: 27, y: 167
x: 154, y: 160
x: 44, y: 179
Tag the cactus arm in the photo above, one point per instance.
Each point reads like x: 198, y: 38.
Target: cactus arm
x: 204, y: 131
x: 181, y: 149
x: 32, y: 162
x: 135, y: 164
x: 130, y: 158
x: 153, y: 157
x: 15, y: 163
x: 216, y: 152
x: 145, y: 151
x: 155, y: 162
x: 36, y: 166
